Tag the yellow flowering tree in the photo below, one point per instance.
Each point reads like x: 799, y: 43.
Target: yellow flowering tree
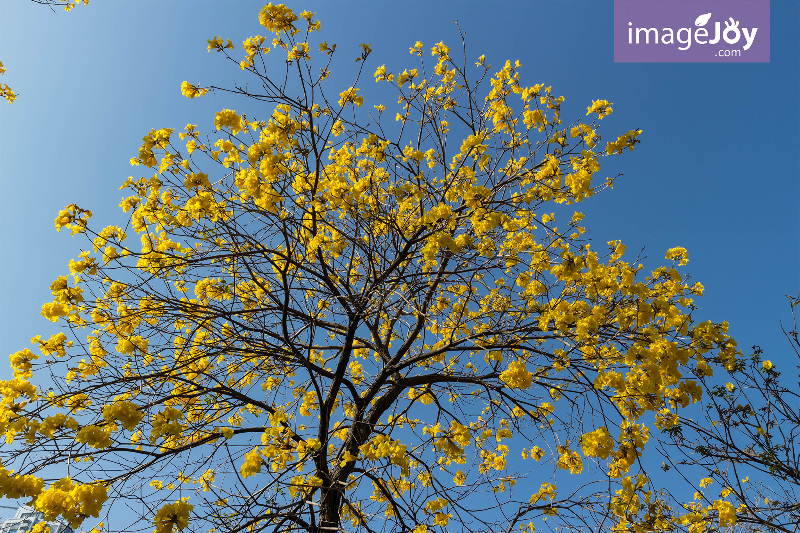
x: 745, y: 445
x: 342, y: 315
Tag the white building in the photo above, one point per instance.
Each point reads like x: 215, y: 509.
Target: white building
x: 27, y: 517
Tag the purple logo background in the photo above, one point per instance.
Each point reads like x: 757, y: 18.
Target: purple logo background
x: 692, y: 34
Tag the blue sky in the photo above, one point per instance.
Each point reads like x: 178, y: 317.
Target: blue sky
x: 717, y: 172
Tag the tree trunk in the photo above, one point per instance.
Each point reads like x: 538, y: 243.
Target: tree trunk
x: 329, y: 511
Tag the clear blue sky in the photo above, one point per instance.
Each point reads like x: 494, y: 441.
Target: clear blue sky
x: 718, y: 171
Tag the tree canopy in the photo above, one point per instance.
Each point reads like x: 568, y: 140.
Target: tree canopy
x: 343, y: 315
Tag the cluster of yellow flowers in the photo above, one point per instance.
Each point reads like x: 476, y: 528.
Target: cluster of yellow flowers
x: 597, y: 443
x: 227, y: 118
x: 350, y: 96
x: 74, y: 218
x: 192, y: 91
x: 17, y: 486
x: 436, y: 506
x: 547, y: 492
x: 252, y: 463
x: 601, y: 107
x: 72, y: 501
x: 5, y: 90
x: 383, y: 446
x: 278, y: 19
x: 166, y: 424
x: 125, y: 412
x: 217, y: 44
x: 517, y: 376
x: 172, y: 516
